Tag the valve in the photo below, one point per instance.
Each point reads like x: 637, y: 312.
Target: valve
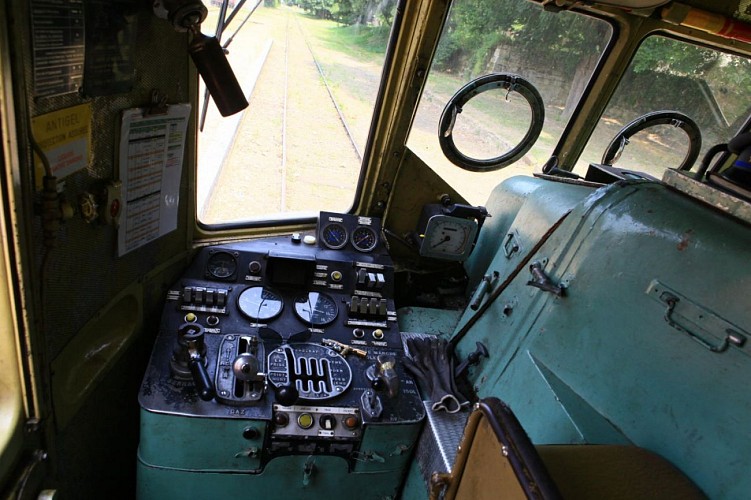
x: 383, y: 376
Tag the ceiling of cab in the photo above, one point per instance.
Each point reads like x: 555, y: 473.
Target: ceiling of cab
x: 738, y: 9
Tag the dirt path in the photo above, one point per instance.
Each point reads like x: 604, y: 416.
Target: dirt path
x: 282, y: 154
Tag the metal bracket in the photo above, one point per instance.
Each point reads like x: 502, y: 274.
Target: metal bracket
x: 700, y: 324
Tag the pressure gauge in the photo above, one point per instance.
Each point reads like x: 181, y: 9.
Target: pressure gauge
x: 364, y: 238
x: 448, y: 238
x: 221, y: 265
x: 334, y: 235
x: 316, y: 309
x: 259, y: 303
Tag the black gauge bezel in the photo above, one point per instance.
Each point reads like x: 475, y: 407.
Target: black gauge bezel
x: 304, y: 299
x: 326, y: 243
x: 252, y: 315
x: 217, y: 255
x: 364, y: 249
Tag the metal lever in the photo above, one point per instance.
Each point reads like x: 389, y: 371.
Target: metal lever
x: 472, y: 359
x: 542, y: 281
x: 482, y: 289
x: 202, y: 381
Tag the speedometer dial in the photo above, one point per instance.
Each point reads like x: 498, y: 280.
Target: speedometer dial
x: 316, y: 309
x: 364, y: 238
x: 334, y: 235
x: 259, y: 303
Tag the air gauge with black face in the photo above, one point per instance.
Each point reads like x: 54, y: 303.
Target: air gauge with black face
x: 221, y: 265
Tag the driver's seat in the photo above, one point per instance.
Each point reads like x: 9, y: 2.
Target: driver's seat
x: 496, y: 460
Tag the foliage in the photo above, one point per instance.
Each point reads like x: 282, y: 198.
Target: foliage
x: 349, y: 12
x: 477, y: 27
x: 663, y: 55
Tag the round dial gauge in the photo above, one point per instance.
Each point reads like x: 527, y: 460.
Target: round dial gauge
x: 364, y: 238
x: 334, y: 235
x: 259, y: 303
x: 316, y: 309
x: 448, y: 237
x: 221, y: 265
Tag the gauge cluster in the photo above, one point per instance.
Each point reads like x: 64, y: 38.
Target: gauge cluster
x: 345, y: 231
x: 288, y: 332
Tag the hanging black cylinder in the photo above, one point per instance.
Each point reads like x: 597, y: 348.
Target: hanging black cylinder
x: 217, y: 74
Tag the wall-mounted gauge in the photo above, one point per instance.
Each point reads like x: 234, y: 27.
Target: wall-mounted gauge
x: 448, y: 231
x: 334, y: 235
x: 221, y: 265
x: 448, y: 238
x: 364, y: 238
x: 259, y: 303
x: 316, y: 309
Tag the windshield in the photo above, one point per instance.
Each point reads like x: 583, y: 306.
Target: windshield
x: 311, y: 72
x: 697, y: 84
x: 553, y: 52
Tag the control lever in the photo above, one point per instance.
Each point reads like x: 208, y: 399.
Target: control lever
x: 190, y: 337
x: 383, y: 376
x: 286, y: 395
x: 472, y: 359
x: 245, y: 367
x: 542, y: 281
x: 344, y: 349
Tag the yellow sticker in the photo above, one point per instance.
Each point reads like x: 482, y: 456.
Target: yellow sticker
x: 64, y: 136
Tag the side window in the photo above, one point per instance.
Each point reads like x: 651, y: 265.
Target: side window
x: 310, y: 72
x: 555, y: 53
x: 697, y: 90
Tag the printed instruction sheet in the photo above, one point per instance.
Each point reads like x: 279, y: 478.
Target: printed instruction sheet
x: 151, y: 159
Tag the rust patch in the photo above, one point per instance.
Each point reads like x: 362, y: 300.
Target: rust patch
x: 685, y: 240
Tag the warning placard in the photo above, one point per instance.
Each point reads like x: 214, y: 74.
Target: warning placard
x: 64, y: 136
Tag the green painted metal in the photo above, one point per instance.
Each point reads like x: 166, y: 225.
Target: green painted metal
x: 602, y: 364
x: 285, y: 478
x: 205, y: 444
x: 426, y: 320
x: 189, y: 457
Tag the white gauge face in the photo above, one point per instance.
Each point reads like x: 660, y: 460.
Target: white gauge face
x: 448, y: 238
x: 259, y: 303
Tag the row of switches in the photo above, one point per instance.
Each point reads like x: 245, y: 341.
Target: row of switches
x: 370, y: 280
x: 205, y: 296
x: 368, y: 306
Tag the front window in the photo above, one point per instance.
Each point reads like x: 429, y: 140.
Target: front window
x: 690, y: 85
x: 311, y: 72
x: 552, y: 52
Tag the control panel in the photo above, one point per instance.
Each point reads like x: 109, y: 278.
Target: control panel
x: 297, y: 336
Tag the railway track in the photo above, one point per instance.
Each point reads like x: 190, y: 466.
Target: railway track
x: 294, y: 126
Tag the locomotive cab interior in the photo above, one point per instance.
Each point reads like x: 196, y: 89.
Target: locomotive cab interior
x: 389, y: 249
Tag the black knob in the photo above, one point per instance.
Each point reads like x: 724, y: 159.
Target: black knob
x: 250, y: 433
x: 286, y: 395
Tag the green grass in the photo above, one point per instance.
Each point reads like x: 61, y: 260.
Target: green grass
x: 364, y: 41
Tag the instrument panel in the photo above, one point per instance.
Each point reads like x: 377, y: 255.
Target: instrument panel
x: 297, y: 335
